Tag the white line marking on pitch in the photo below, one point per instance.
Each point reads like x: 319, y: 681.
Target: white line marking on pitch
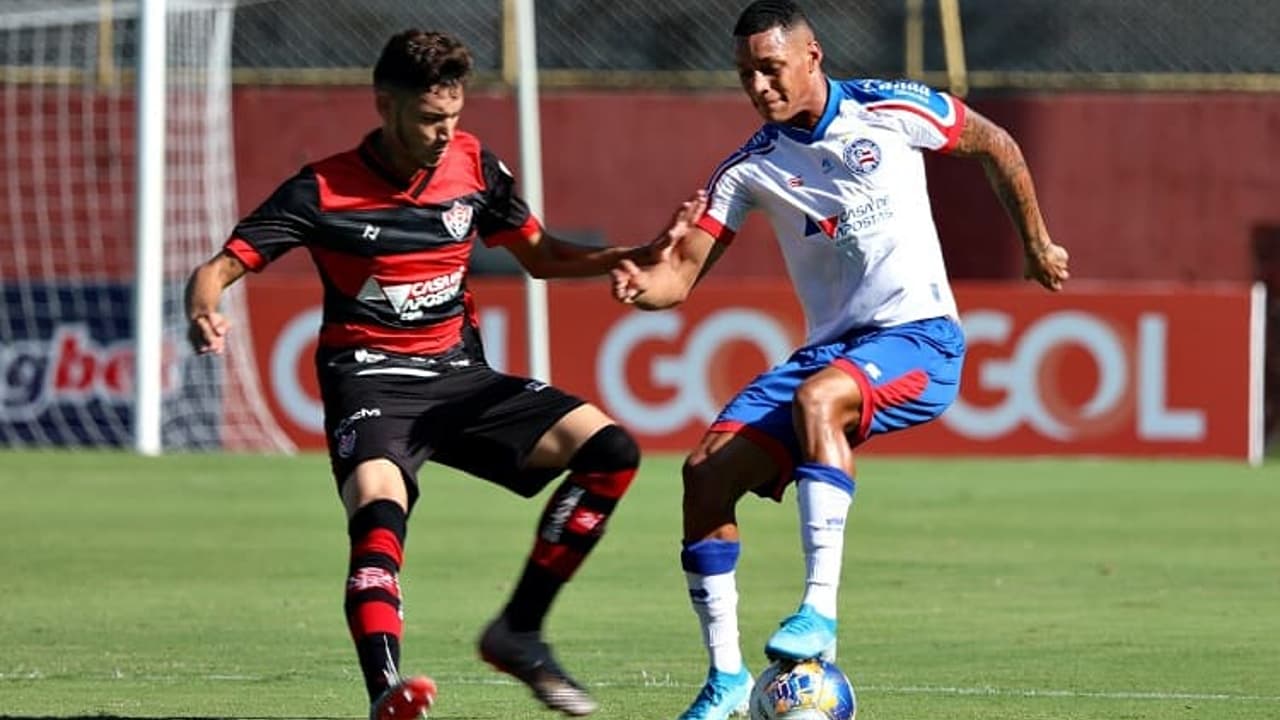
x: 1114, y: 694
x: 653, y: 681
x: 647, y: 680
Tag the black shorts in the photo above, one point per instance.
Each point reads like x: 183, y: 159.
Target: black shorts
x: 454, y: 410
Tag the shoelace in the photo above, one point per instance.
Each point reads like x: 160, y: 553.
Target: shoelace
x: 712, y: 694
x: 803, y: 623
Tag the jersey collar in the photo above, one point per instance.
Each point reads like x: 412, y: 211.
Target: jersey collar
x: 834, y: 96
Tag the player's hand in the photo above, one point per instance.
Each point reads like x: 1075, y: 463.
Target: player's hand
x: 682, y: 221
x: 208, y: 333
x: 629, y: 281
x: 1047, y: 265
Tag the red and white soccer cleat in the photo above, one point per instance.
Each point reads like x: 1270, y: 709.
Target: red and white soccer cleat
x: 408, y: 699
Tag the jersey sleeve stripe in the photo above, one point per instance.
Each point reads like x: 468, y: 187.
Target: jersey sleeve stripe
x: 957, y: 126
x: 949, y: 127
x: 732, y: 160
x: 240, y: 249
x: 526, y: 231
x: 716, y: 229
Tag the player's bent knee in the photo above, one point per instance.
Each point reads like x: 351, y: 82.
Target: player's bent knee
x: 828, y: 399
x: 702, y: 492
x: 609, y: 458
x: 818, y: 395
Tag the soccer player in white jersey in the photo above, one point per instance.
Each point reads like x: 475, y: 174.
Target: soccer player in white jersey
x: 838, y: 170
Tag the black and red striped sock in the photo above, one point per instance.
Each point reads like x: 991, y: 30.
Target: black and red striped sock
x: 573, y: 522
x: 374, y: 615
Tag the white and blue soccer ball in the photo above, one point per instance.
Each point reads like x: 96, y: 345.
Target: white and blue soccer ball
x: 805, y: 690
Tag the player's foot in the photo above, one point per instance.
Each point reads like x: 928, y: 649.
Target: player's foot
x: 407, y: 699
x: 724, y: 695
x: 524, y: 656
x: 802, y: 636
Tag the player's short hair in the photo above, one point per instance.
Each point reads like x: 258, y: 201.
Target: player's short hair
x: 764, y: 15
x: 418, y: 60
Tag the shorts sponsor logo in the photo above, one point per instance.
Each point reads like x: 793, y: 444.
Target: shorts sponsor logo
x: 357, y: 416
x: 862, y: 156
x: 457, y: 220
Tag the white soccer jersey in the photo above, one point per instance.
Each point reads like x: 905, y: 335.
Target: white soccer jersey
x: 848, y: 204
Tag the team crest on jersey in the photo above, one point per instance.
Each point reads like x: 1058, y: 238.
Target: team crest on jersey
x: 457, y: 220
x: 862, y: 156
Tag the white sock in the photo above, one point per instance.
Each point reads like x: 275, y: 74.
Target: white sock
x: 823, y: 509
x: 715, y: 601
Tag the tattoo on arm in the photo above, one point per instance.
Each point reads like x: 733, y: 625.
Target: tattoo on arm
x: 1007, y: 171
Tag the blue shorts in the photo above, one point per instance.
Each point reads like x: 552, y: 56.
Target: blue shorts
x: 908, y: 374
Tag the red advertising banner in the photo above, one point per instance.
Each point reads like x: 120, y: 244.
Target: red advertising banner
x: 1104, y: 371
x: 1098, y: 370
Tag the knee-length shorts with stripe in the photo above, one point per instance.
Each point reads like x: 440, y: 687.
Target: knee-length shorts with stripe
x: 909, y: 374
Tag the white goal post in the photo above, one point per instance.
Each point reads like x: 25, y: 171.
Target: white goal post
x: 119, y: 178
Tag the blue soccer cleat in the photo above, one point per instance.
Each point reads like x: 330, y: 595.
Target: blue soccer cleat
x: 805, y: 635
x: 724, y: 695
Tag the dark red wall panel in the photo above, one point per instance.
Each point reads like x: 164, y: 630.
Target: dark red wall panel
x: 1166, y: 187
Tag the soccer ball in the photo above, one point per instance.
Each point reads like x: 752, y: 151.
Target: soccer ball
x: 805, y: 690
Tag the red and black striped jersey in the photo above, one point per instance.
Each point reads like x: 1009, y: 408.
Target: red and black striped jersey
x: 392, y: 256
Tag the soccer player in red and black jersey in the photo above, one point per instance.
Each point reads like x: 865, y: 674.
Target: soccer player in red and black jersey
x: 402, y: 374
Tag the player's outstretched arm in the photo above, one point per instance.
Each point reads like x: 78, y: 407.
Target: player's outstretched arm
x: 1007, y: 171
x: 208, y: 328
x: 663, y: 274
x: 547, y: 256
x: 669, y: 281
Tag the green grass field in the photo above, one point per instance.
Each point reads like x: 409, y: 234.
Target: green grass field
x: 210, y: 587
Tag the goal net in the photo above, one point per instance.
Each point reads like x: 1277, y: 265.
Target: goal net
x: 67, y: 104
